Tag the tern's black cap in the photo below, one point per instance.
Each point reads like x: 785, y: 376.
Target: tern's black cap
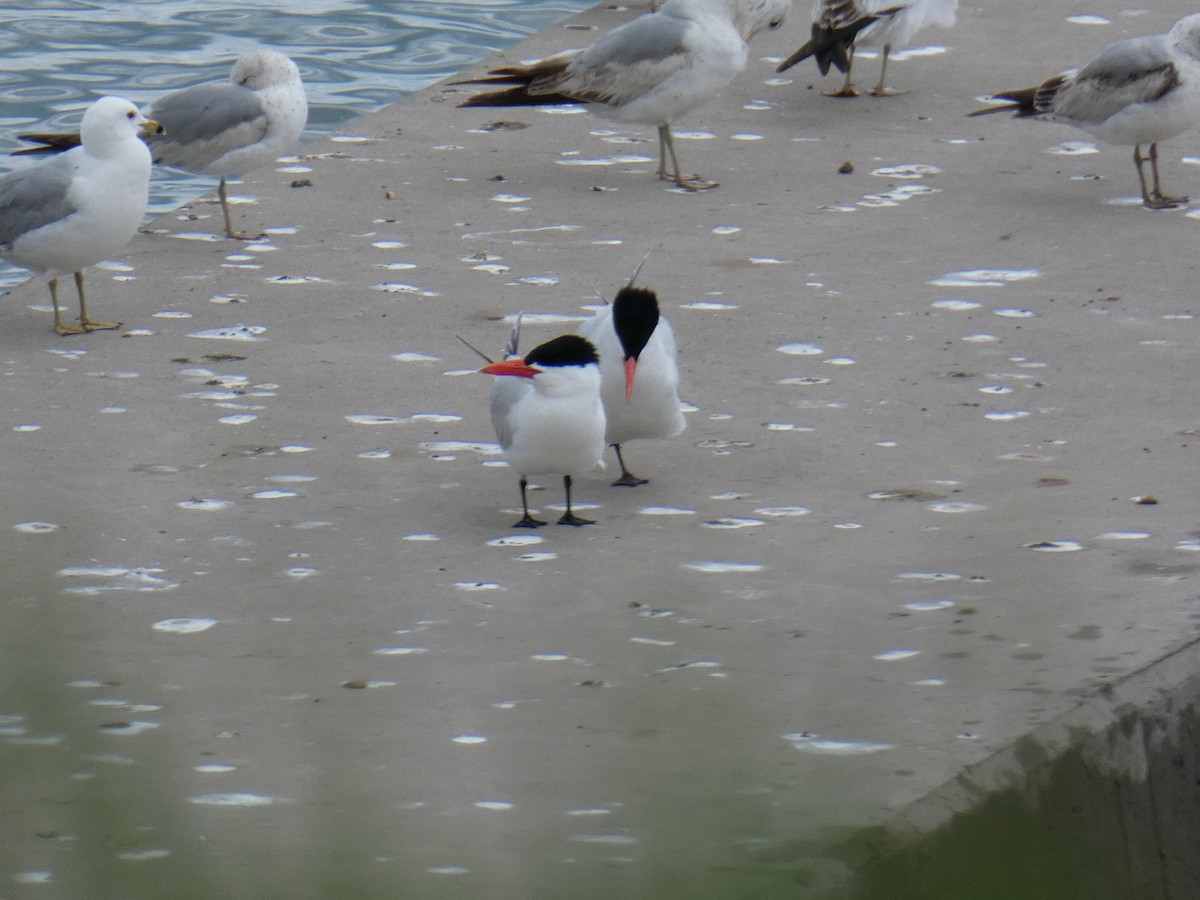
x: 635, y: 316
x: 564, y: 350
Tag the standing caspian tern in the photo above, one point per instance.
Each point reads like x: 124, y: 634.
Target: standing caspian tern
x: 1137, y: 91
x: 548, y: 416
x: 639, y: 374
x: 649, y: 71
x: 839, y: 26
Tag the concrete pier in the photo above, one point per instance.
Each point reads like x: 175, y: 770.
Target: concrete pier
x: 267, y: 631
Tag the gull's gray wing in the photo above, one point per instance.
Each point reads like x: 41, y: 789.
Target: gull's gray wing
x: 624, y: 63
x: 35, y: 196
x: 1137, y: 70
x: 205, y: 122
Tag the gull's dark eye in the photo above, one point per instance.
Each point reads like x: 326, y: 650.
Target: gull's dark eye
x: 774, y: 23
x: 131, y: 115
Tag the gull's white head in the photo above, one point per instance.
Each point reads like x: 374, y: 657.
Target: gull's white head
x: 752, y: 16
x: 1184, y: 35
x: 263, y: 68
x: 110, y: 122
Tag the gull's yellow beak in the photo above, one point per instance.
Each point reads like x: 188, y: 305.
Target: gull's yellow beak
x: 150, y: 128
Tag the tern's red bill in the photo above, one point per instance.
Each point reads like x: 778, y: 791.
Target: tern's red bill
x: 513, y: 366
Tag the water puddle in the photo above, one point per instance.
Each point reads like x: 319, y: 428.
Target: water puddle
x: 984, y: 277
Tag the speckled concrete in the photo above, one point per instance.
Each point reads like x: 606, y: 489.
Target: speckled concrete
x: 931, y: 493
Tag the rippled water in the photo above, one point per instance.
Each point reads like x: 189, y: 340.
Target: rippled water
x: 354, y: 57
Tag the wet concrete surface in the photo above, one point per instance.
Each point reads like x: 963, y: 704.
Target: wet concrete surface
x: 267, y: 630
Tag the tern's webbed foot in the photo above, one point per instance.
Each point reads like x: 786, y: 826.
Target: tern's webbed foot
x: 528, y: 521
x: 1163, y: 201
x: 843, y: 92
x: 628, y: 479
x: 569, y: 518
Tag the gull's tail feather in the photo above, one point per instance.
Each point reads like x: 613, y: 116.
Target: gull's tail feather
x: 48, y: 143
x: 516, y: 96
x: 532, y: 84
x: 1030, y: 101
x: 1021, y: 102
x: 831, y: 45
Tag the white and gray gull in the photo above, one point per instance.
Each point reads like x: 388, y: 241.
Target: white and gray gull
x: 649, y: 71
x: 60, y: 215
x: 225, y: 128
x: 1137, y: 91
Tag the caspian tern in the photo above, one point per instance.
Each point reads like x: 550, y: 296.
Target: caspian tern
x: 225, y: 128
x: 63, y: 214
x: 649, y: 71
x: 548, y: 415
x: 839, y: 26
x: 1136, y: 91
x: 639, y: 374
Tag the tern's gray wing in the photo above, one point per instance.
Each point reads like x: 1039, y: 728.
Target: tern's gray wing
x: 35, y: 196
x: 1137, y: 70
x: 507, y: 391
x: 625, y: 63
x: 205, y: 122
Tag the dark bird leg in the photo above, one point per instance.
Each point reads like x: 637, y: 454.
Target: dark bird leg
x: 527, y: 521
x: 627, y: 479
x: 1156, y: 194
x: 881, y: 89
x: 666, y: 145
x: 569, y: 518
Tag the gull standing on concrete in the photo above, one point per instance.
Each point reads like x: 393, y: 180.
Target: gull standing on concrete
x: 649, y: 71
x: 63, y: 214
x: 548, y: 415
x: 1137, y: 91
x: 840, y: 26
x: 226, y: 128
x: 639, y: 372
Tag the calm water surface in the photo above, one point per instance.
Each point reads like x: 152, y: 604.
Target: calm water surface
x: 355, y: 57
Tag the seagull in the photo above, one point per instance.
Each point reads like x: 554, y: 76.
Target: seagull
x: 649, y: 71
x: 839, y: 26
x: 636, y: 342
x: 1136, y: 91
x: 548, y: 415
x: 63, y: 214
x: 226, y: 128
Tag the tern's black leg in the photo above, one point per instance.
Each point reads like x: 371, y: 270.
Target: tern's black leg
x: 527, y: 521
x: 627, y: 479
x: 569, y: 518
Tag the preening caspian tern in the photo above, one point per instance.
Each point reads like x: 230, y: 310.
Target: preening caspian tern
x: 548, y: 416
x: 839, y: 26
x: 649, y: 71
x: 225, y: 128
x: 63, y: 214
x: 1137, y: 91
x: 639, y: 373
